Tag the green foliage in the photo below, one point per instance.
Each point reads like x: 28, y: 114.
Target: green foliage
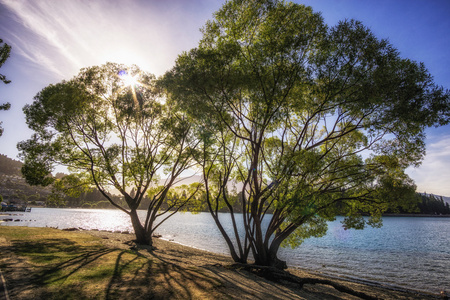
x: 312, y: 120
x: 109, y: 126
x: 5, y: 106
x: 5, y: 51
x: 37, y: 173
x: 68, y: 187
x: 316, y: 227
x: 180, y: 198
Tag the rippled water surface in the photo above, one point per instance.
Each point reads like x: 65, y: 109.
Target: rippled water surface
x: 407, y: 252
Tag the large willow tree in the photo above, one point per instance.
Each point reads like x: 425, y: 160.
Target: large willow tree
x: 110, y: 126
x: 308, y: 121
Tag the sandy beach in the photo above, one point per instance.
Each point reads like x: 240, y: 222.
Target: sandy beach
x: 239, y: 283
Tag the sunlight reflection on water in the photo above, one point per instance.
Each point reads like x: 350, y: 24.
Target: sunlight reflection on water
x: 408, y: 252
x: 102, y: 219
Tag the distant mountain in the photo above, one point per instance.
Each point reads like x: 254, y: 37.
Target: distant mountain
x: 232, y: 186
x: 184, y: 180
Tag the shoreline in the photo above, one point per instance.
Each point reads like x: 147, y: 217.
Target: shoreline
x: 198, y: 274
x: 423, y: 285
x: 415, y: 215
x: 381, y: 285
x: 375, y: 284
x: 381, y: 290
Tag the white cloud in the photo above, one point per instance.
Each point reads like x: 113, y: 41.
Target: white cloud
x: 51, y: 40
x: 57, y: 38
x: 433, y: 176
x: 70, y: 35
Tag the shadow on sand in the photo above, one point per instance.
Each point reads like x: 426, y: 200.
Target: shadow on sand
x: 59, y: 268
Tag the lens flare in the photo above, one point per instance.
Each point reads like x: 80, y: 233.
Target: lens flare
x: 130, y: 81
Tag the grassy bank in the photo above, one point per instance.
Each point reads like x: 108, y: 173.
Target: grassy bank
x: 45, y: 263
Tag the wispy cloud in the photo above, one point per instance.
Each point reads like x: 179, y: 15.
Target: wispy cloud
x: 76, y: 34
x: 433, y: 175
x: 60, y: 37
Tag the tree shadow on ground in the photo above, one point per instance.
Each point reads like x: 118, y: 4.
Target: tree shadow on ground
x: 59, y: 268
x: 158, y: 279
x: 246, y: 282
x: 63, y: 269
x: 234, y: 284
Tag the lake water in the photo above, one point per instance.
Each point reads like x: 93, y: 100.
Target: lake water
x: 406, y: 252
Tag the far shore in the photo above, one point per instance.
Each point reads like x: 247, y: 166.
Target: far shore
x: 384, y: 215
x: 417, y: 215
x: 178, y: 272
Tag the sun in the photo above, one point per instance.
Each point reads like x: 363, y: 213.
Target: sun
x: 128, y: 79
x: 131, y: 81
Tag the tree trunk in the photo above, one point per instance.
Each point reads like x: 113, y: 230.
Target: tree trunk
x: 275, y: 262
x: 142, y: 237
x: 269, y: 258
x: 237, y: 258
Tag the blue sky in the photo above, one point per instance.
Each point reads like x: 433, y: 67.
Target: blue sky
x: 51, y: 41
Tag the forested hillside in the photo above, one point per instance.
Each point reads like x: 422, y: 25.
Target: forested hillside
x: 431, y: 204
x: 14, y: 189
x: 9, y: 166
x: 427, y: 204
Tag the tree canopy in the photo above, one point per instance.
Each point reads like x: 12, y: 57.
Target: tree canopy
x: 5, y: 51
x: 309, y: 120
x: 112, y: 130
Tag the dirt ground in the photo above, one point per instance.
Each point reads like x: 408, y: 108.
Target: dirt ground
x: 242, y: 284
x: 188, y: 273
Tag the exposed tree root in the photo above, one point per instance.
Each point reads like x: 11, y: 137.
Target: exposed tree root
x: 277, y: 275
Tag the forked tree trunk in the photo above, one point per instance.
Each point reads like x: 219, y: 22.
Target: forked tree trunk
x: 270, y: 260
x: 274, y: 261
x: 142, y: 237
x: 267, y: 256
